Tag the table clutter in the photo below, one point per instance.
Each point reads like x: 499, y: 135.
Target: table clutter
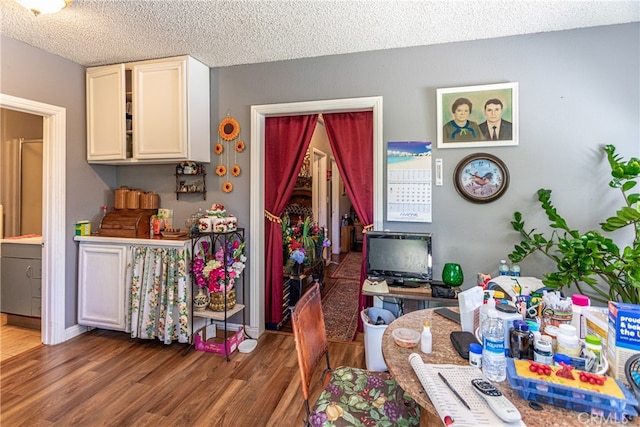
x: 557, y: 347
x: 553, y: 350
x: 445, y: 355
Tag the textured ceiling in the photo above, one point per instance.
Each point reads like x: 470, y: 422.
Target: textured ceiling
x: 224, y: 33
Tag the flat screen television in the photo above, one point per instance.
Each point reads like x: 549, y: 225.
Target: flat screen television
x: 401, y: 258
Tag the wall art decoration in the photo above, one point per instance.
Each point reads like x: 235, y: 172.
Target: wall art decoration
x: 228, y: 143
x: 478, y: 116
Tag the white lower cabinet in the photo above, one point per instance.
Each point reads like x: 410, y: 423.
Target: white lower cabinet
x: 102, y: 293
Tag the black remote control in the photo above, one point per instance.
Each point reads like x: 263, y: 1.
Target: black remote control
x: 448, y: 313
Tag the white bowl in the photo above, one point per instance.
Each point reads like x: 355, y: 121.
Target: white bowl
x: 247, y: 346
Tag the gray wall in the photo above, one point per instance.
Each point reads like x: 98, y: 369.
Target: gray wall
x: 579, y: 90
x: 34, y: 74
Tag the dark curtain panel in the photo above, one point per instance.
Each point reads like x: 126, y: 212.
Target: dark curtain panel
x: 286, y: 140
x: 351, y: 139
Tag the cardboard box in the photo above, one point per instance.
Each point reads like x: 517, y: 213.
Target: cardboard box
x: 207, y: 340
x: 83, y: 228
x: 167, y: 215
x: 623, y: 336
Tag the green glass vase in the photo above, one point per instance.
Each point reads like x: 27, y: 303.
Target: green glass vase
x: 452, y: 275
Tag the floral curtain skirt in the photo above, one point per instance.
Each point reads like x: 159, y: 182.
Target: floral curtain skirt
x: 158, y: 281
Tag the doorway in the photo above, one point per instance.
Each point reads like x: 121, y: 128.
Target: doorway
x: 257, y: 242
x: 54, y: 208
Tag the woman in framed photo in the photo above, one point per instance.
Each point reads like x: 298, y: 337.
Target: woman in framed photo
x: 460, y: 128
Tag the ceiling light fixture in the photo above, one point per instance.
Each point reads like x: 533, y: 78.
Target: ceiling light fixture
x: 38, y: 7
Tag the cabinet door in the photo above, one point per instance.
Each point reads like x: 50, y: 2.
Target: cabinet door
x: 16, y: 286
x: 160, y: 110
x: 102, y: 297
x: 106, y: 120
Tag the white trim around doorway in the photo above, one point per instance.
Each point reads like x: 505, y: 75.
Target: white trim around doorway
x: 256, y: 243
x: 54, y: 212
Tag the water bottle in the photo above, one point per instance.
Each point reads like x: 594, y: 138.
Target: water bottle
x: 494, y: 362
x: 503, y: 269
x: 515, y: 270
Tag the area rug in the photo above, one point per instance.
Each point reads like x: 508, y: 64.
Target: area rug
x: 340, y: 308
x: 349, y: 268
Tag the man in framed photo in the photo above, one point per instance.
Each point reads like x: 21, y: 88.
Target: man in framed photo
x: 495, y: 127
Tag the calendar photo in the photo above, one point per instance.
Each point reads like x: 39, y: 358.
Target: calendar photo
x: 409, y: 181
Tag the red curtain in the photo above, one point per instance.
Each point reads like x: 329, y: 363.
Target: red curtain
x: 351, y: 139
x: 286, y: 140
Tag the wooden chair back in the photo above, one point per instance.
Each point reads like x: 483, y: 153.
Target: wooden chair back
x: 310, y: 335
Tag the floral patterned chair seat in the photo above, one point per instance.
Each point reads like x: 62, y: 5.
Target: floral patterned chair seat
x: 351, y: 396
x: 355, y: 397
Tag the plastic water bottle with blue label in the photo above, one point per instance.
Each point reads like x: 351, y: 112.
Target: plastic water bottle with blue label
x: 494, y: 362
x: 515, y: 270
x: 503, y: 269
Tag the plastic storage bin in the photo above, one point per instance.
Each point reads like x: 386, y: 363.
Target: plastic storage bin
x: 373, y: 336
x: 573, y: 398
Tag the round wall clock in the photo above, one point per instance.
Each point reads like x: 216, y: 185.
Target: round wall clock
x: 481, y: 178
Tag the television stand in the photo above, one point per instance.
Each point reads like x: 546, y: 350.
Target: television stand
x: 422, y: 293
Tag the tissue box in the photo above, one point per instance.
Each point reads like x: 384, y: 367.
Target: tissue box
x: 623, y: 336
x: 469, y: 302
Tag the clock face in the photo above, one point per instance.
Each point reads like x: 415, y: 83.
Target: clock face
x: 481, y: 178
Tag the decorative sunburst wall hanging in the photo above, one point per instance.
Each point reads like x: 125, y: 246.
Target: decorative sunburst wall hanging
x: 228, y: 134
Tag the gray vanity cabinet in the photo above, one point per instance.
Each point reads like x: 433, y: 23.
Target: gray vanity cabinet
x: 21, y: 279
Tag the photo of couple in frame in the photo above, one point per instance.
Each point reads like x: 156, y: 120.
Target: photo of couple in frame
x: 478, y: 116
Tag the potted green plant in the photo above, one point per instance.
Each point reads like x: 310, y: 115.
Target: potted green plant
x: 590, y: 257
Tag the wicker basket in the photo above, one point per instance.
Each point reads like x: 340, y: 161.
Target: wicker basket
x: 217, y: 300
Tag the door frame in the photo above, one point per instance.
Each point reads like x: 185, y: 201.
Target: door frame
x: 335, y: 208
x: 54, y: 149
x: 319, y: 187
x: 257, y: 241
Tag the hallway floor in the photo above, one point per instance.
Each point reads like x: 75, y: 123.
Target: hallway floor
x: 15, y: 340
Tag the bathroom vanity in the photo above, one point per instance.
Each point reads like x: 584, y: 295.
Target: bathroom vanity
x: 21, y: 274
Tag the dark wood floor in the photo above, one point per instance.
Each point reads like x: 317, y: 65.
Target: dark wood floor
x: 105, y: 378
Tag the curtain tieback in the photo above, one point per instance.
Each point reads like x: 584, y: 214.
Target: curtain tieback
x: 271, y: 217
x: 367, y: 228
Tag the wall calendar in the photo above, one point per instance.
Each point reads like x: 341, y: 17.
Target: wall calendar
x: 409, y: 181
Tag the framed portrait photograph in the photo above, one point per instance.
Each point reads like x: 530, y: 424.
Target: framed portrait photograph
x: 478, y: 116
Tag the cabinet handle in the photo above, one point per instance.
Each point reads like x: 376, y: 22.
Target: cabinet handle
x: 28, y: 272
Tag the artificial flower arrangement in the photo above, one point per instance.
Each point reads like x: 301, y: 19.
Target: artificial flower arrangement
x: 209, y: 269
x: 302, y: 242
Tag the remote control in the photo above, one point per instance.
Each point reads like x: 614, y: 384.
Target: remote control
x: 499, y: 404
x: 448, y: 314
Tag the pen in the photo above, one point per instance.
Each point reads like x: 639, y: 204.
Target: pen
x: 454, y: 391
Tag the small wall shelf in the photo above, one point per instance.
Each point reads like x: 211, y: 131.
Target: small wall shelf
x: 193, y: 181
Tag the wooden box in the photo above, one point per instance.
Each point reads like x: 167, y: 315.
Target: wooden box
x: 133, y: 223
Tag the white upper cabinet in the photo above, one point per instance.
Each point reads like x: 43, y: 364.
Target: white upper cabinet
x: 148, y: 112
x: 106, y: 124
